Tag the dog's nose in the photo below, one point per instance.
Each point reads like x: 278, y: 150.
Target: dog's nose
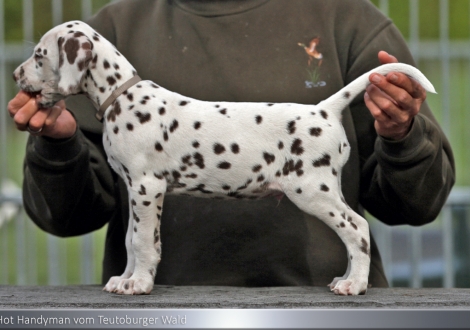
x: 15, y: 78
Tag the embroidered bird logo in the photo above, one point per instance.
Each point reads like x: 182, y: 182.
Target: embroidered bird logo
x: 311, y: 50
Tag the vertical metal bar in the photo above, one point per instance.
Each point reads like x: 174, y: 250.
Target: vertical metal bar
x: 383, y: 235
x: 416, y: 233
x: 21, y: 272
x: 5, y: 259
x: 448, y: 242
x: 383, y: 6
x: 53, y: 265
x: 87, y: 9
x: 32, y: 251
x: 28, y: 21
x: 416, y: 257
x: 414, y: 28
x: 87, y: 269
x: 3, y: 120
x: 445, y: 58
x: 448, y: 248
x: 3, y: 139
x: 57, y: 12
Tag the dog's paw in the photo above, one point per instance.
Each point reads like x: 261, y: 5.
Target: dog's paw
x: 134, y: 286
x: 112, y: 284
x: 350, y: 287
x: 335, y: 281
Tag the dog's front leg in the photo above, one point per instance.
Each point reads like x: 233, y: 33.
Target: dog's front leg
x: 146, y: 207
x: 114, y: 281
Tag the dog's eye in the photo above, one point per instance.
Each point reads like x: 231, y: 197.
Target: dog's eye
x: 37, y: 56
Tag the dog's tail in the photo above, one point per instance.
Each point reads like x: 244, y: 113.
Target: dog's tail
x: 338, y: 101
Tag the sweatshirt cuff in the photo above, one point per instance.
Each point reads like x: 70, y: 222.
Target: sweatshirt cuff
x: 406, y: 147
x: 55, y: 150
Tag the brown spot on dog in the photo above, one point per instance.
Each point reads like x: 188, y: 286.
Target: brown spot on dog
x: 269, y: 158
x: 365, y: 247
x: 257, y: 168
x: 291, y: 127
x: 315, y: 131
x: 143, y: 117
x: 111, y: 81
x: 218, y: 148
x: 235, y: 148
x: 71, y: 48
x: 224, y: 165
x: 323, y: 161
x: 198, y: 160
x: 296, y: 147
x: 174, y: 125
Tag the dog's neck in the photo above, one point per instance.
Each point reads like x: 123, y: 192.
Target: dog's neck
x: 107, y: 71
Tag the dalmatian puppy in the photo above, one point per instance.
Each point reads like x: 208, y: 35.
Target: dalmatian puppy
x: 161, y: 142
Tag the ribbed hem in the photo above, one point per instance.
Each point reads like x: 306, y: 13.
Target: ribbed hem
x: 406, y: 147
x: 218, y: 7
x: 55, y: 150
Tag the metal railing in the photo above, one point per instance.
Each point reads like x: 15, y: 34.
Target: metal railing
x: 412, y: 256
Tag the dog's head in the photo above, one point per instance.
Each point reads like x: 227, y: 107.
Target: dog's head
x: 58, y: 65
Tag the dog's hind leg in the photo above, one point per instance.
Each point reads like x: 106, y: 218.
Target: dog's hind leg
x: 324, y: 201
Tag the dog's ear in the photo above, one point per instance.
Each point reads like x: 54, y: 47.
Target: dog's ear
x: 75, y: 53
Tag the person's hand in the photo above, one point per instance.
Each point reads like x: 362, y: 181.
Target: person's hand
x: 393, y: 100
x: 55, y: 122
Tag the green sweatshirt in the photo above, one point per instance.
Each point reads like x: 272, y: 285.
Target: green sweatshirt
x: 299, y: 51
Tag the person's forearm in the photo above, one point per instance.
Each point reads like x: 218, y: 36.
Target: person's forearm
x: 407, y: 182
x: 68, y: 189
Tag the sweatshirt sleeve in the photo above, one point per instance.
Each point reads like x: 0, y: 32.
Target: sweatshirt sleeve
x: 68, y: 188
x: 406, y: 181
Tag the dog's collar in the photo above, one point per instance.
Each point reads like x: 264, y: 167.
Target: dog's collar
x: 114, y: 95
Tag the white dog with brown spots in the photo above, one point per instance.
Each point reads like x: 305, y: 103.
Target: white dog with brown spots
x: 161, y: 142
